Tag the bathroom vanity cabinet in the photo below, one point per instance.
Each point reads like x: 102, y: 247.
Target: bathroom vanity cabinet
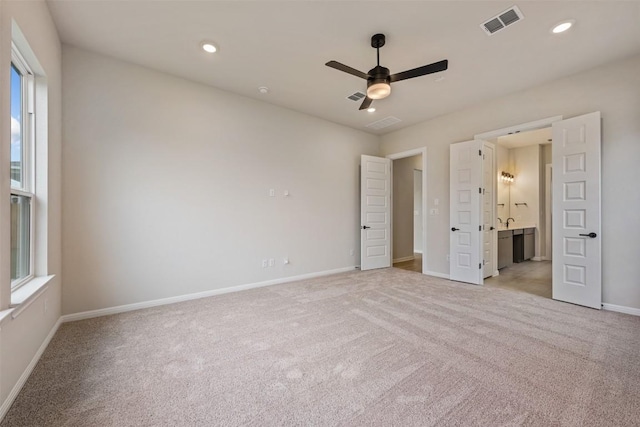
x: 515, y: 245
x: 505, y: 248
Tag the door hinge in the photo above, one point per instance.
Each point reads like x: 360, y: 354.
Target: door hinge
x: 479, y: 152
x: 480, y: 266
x: 479, y: 228
x: 480, y: 190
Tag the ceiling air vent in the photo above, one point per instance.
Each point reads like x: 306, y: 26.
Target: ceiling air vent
x: 356, y: 96
x: 501, y: 21
x: 383, y: 123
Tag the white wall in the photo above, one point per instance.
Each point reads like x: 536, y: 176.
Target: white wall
x: 614, y: 90
x: 20, y: 338
x: 166, y: 187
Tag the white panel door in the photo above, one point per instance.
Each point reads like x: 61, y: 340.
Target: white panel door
x: 577, y: 274
x: 488, y: 210
x: 375, y: 209
x: 465, y: 262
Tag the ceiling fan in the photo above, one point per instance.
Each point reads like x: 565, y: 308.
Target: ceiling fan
x: 379, y: 79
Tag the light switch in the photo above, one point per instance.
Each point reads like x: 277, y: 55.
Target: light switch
x: 286, y: 193
x: 436, y: 202
x: 272, y: 192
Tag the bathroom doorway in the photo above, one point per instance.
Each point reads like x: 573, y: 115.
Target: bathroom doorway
x: 523, y: 214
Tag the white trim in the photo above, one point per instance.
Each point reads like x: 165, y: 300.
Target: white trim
x: 434, y: 274
x: 403, y: 259
x: 25, y: 375
x: 22, y: 297
x: 537, y: 258
x: 402, y: 155
x: 180, y: 298
x: 417, y: 252
x: 621, y: 309
x: 536, y: 124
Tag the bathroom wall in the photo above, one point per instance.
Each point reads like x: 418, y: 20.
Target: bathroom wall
x: 502, y: 164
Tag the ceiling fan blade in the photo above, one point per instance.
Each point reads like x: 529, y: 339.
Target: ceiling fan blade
x: 347, y: 69
x: 420, y: 71
x: 366, y: 103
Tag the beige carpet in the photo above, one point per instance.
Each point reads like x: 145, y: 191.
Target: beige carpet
x: 386, y: 347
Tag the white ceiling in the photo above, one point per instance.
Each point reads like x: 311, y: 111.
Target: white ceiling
x: 284, y: 46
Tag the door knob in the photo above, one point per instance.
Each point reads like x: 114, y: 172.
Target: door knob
x: 592, y: 235
x: 492, y: 228
x: 364, y: 227
x: 454, y: 229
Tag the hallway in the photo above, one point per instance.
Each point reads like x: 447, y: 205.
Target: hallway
x: 413, y: 265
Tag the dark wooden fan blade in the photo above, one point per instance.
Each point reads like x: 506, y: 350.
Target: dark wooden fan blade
x: 366, y: 103
x: 420, y: 71
x: 347, y: 69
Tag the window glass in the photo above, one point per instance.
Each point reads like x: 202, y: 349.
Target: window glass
x: 22, y: 197
x: 20, y: 237
x: 17, y: 149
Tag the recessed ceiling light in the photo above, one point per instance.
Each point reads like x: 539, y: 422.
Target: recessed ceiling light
x: 371, y: 109
x: 562, y: 27
x: 263, y: 90
x: 208, y: 47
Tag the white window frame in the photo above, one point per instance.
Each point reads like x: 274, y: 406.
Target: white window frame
x: 28, y: 155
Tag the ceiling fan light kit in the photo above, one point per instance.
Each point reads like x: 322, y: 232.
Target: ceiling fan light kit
x: 378, y: 90
x: 379, y: 78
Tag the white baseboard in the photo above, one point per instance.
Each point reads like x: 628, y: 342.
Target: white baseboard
x: 537, y: 258
x: 403, y: 259
x: 433, y: 273
x: 171, y: 300
x: 25, y: 375
x: 621, y: 309
x: 417, y: 252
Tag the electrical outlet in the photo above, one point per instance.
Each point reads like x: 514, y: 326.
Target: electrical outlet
x: 285, y: 261
x: 272, y: 262
x: 264, y: 263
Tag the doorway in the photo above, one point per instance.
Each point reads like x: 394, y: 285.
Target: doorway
x: 523, y: 201
x: 409, y: 221
x: 407, y: 213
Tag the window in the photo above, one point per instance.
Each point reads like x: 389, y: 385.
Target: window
x: 22, y: 181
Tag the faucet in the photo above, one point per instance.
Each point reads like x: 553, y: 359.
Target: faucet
x: 500, y: 220
x: 512, y: 220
